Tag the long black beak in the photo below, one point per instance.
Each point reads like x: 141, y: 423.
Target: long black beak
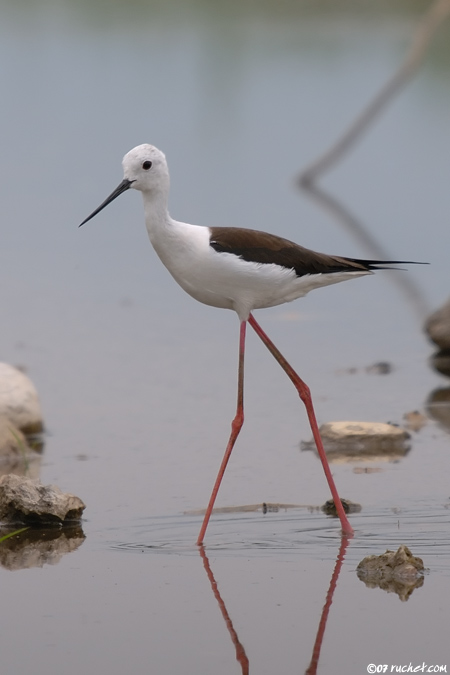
x: 125, y: 184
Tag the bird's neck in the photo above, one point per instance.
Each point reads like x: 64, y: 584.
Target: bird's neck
x: 157, y: 217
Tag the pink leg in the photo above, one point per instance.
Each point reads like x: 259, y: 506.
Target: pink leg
x: 236, y: 426
x: 305, y: 395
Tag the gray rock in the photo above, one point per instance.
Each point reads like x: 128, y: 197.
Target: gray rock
x: 26, y: 501
x: 19, y: 401
x: 438, y: 327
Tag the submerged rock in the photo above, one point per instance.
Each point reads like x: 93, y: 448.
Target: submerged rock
x: 349, y: 507
x: 355, y: 440
x: 26, y: 501
x: 394, y: 571
x: 19, y: 400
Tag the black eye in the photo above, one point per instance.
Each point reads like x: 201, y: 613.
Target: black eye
x: 147, y: 165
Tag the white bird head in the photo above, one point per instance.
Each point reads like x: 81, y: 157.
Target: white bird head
x: 144, y: 169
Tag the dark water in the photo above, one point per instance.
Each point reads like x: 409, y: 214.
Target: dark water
x: 137, y: 381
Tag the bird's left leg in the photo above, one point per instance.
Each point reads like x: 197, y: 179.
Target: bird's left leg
x: 236, y: 426
x: 305, y: 395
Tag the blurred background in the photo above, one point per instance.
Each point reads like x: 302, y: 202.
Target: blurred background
x: 137, y: 381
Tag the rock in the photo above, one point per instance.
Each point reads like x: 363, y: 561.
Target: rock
x: 355, y: 440
x: 395, y: 572
x: 438, y: 327
x: 400, y: 563
x: 26, y: 501
x: 349, y: 507
x: 19, y: 400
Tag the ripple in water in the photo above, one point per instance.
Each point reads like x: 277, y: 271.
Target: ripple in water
x: 425, y: 530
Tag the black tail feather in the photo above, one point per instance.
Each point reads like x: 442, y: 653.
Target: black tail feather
x: 373, y: 265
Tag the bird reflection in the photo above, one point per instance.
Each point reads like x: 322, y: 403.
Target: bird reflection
x: 312, y: 668
x: 241, y: 656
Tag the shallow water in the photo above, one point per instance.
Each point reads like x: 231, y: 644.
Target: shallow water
x: 138, y: 381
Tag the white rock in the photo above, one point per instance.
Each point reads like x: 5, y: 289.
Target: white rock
x: 19, y: 400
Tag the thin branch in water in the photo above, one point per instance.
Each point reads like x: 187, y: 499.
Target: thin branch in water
x: 421, y: 39
x: 407, y: 285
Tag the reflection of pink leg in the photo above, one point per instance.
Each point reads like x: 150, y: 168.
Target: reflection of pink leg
x: 305, y: 395
x: 312, y: 669
x: 236, y: 426
x: 241, y: 656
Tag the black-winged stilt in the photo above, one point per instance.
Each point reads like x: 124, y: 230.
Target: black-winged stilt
x: 237, y: 269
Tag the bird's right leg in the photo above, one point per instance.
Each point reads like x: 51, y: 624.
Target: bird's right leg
x: 236, y: 426
x: 305, y: 395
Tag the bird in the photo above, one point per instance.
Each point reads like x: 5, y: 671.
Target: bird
x: 239, y: 269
